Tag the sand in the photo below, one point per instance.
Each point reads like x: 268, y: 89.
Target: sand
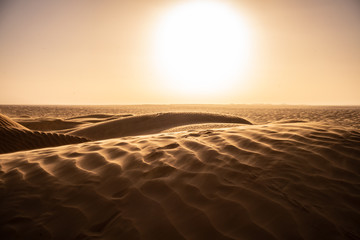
x: 291, y: 179
x: 15, y: 137
x: 150, y: 123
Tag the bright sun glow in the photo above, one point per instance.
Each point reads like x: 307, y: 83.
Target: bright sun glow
x: 202, y: 47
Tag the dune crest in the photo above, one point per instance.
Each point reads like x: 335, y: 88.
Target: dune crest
x: 6, y: 122
x: 277, y: 181
x: 150, y: 123
x: 15, y: 137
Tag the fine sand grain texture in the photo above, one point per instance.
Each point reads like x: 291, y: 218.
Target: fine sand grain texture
x: 274, y: 181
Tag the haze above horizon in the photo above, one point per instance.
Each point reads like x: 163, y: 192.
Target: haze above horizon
x: 184, y: 52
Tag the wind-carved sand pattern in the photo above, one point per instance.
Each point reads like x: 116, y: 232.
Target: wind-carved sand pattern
x: 274, y: 181
x: 15, y: 137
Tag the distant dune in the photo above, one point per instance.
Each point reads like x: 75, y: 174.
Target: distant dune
x: 272, y: 181
x: 149, y: 124
x: 48, y: 124
x: 16, y: 137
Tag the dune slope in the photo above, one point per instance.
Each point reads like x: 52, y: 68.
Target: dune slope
x: 6, y: 122
x: 150, y: 124
x: 281, y: 181
x: 15, y: 137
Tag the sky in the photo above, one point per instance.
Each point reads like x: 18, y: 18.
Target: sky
x: 107, y: 52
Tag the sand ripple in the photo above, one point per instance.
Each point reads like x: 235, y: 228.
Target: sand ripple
x: 280, y: 181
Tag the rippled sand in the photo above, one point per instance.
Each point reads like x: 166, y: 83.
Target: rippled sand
x: 220, y: 179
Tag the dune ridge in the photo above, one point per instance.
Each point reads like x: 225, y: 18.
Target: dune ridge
x: 15, y: 137
x: 6, y: 122
x: 149, y: 124
x: 48, y: 124
x: 275, y: 181
x: 101, y: 116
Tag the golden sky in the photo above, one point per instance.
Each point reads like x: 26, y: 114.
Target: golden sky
x: 143, y: 51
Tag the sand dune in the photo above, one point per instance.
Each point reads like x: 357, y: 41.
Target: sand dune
x: 6, y: 122
x: 149, y: 124
x: 48, y: 124
x: 95, y: 118
x: 15, y: 137
x: 276, y: 181
x: 200, y: 126
x: 106, y: 116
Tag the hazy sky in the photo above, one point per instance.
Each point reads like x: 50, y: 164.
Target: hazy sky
x: 100, y: 52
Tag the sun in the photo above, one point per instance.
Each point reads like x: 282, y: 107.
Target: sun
x: 202, y: 47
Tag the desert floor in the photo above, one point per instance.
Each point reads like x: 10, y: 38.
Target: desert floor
x: 179, y: 172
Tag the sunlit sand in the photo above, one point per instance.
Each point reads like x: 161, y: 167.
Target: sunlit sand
x: 179, y: 175
x: 196, y: 120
